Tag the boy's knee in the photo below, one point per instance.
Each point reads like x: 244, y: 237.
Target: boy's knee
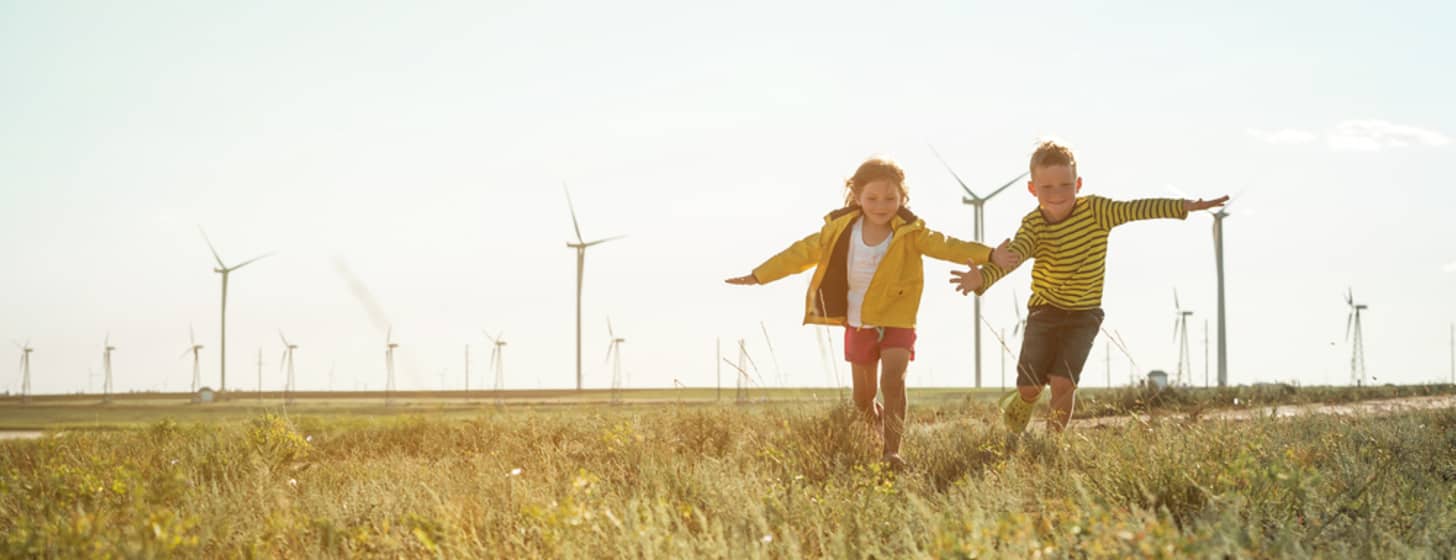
x: 1062, y: 386
x: 1029, y: 392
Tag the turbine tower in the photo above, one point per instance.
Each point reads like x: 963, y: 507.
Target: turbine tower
x: 287, y: 358
x: 978, y: 205
x: 194, y: 349
x: 107, y: 349
x: 614, y: 355
x: 25, y: 351
x: 1218, y: 215
x: 580, y: 246
x: 389, y: 346
x: 1180, y: 334
x: 224, y: 270
x: 1357, y: 348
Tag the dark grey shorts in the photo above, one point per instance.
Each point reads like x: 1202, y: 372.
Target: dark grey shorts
x: 1056, y: 344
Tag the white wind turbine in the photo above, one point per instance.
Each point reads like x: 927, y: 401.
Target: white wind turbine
x: 25, y: 351
x: 194, y: 348
x: 106, y: 351
x: 614, y: 355
x: 389, y: 346
x: 1180, y: 335
x: 1357, y: 348
x: 498, y: 364
x: 978, y: 205
x: 287, y: 358
x: 581, y: 246
x: 224, y: 270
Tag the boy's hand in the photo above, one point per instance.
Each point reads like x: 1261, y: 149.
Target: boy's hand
x: 1003, y: 257
x: 748, y: 280
x: 968, y: 281
x: 1201, y: 204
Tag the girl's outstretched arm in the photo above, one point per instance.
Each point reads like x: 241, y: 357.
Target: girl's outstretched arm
x: 938, y: 245
x: 800, y: 256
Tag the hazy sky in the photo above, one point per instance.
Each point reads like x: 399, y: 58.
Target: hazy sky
x: 425, y: 144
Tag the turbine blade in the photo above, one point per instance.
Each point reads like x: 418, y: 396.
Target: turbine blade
x: 211, y: 248
x: 601, y: 241
x: 1348, y: 320
x: 191, y: 335
x: 1007, y: 185
x: 1176, y: 305
x: 610, y: 346
x: 572, y: 207
x: 953, y: 174
x: 609, y: 328
x: 252, y: 260
x: 1350, y: 296
x: 283, y: 338
x: 184, y: 353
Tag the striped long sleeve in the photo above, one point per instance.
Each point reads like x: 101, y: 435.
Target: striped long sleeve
x: 1071, y: 255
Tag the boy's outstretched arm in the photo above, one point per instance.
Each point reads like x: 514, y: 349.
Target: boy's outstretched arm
x: 1112, y: 213
x: 800, y: 256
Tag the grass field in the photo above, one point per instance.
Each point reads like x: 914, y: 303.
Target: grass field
x: 670, y: 478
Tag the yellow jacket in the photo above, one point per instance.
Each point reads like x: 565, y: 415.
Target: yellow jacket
x: 893, y: 297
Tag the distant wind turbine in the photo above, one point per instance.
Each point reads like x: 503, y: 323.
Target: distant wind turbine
x: 581, y: 246
x: 107, y: 349
x: 195, y: 350
x: 498, y: 364
x: 25, y: 351
x: 1180, y: 334
x: 287, y: 358
x: 614, y: 355
x: 978, y: 205
x: 389, y: 346
x: 225, y: 270
x: 1357, y: 349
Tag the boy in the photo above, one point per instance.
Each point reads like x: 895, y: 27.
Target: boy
x: 1067, y: 235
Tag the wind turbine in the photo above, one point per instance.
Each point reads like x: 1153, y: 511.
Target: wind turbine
x: 1180, y: 334
x: 1218, y: 216
x: 580, y: 246
x: 978, y: 205
x: 107, y: 349
x: 498, y: 364
x: 225, y: 270
x: 389, y: 346
x: 614, y: 355
x: 25, y: 351
x: 1357, y: 349
x: 194, y: 349
x: 287, y: 358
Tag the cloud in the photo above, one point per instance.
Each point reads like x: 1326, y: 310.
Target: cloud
x: 1375, y: 135
x: 1287, y: 136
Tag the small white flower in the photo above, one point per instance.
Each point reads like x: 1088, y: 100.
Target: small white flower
x: 766, y: 539
x: 174, y: 461
x: 515, y: 472
x: 308, y: 439
x: 293, y: 483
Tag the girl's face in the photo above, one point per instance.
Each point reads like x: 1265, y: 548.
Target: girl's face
x: 880, y: 200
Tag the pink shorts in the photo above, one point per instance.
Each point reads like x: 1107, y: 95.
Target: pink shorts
x: 863, y: 345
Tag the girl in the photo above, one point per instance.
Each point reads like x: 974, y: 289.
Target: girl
x: 868, y: 277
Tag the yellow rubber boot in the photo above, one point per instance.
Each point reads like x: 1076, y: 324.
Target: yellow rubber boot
x: 1015, y: 411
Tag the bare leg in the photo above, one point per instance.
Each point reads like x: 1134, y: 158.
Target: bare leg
x: 1064, y: 398
x: 1029, y: 393
x: 893, y: 362
x: 864, y: 392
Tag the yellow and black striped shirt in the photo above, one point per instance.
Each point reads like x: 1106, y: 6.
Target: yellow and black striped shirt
x: 1071, y: 255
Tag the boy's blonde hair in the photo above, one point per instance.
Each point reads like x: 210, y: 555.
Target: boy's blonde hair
x: 875, y: 169
x: 1053, y: 152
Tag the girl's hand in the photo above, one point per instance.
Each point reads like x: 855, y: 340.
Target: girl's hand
x: 1201, y: 204
x: 748, y: 280
x: 1004, y: 258
x: 968, y: 281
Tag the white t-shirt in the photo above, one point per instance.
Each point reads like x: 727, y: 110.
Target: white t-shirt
x: 863, y: 261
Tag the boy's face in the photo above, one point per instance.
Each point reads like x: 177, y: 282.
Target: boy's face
x: 880, y: 200
x: 1055, y: 188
